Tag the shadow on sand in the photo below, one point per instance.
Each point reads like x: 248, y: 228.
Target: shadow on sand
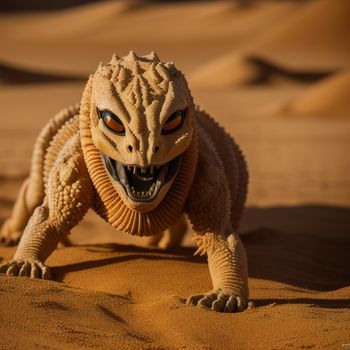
x: 128, y: 253
x: 305, y: 246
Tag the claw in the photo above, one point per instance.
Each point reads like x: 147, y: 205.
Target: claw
x: 25, y: 269
x: 35, y: 273
x: 200, y: 251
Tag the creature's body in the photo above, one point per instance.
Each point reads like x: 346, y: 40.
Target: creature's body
x: 141, y: 155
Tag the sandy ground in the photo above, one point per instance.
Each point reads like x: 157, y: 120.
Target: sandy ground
x: 276, y: 75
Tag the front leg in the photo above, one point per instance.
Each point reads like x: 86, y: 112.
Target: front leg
x: 228, y: 270
x: 69, y: 195
x: 209, y: 208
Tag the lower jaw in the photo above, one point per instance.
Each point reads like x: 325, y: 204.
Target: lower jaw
x: 134, y: 203
x: 142, y: 207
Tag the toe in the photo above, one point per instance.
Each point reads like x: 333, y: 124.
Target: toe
x: 35, y: 271
x: 45, y: 271
x: 4, y: 267
x: 220, y: 303
x: 25, y: 270
x: 207, y: 300
x: 13, y: 269
x: 241, y: 304
x: 231, y: 304
x: 193, y: 299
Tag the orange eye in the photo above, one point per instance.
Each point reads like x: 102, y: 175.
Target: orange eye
x: 112, y: 122
x: 174, y: 122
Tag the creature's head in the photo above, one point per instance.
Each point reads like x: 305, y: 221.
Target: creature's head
x: 141, y: 122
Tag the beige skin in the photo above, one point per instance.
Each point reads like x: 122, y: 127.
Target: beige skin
x: 79, y: 162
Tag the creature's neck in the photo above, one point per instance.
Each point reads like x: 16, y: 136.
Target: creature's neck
x: 108, y: 203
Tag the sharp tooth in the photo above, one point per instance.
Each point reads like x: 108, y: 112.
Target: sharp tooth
x: 143, y: 170
x: 134, y: 170
x: 129, y: 168
x: 120, y: 169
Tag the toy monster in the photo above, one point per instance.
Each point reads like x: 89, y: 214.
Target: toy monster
x: 139, y: 153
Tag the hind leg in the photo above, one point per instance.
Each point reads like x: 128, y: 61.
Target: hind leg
x: 13, y: 227
x: 170, y: 238
x: 29, y: 197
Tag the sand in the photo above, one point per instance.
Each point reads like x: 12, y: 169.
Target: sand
x: 328, y: 98
x: 315, y: 37
x: 276, y: 75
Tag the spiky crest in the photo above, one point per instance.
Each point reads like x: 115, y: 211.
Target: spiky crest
x: 141, y: 79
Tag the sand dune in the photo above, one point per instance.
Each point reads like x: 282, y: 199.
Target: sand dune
x: 188, y: 33
x: 10, y: 74
x: 310, y: 44
x: 328, y: 98
x: 69, y: 23
x: 236, y: 69
x: 315, y: 37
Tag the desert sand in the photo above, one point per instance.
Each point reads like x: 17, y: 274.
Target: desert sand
x: 276, y: 75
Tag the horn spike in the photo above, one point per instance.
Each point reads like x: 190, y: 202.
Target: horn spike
x: 105, y: 70
x: 132, y: 56
x: 154, y: 56
x: 123, y: 76
x: 115, y: 59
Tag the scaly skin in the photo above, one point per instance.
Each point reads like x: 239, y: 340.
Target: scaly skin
x: 81, y: 160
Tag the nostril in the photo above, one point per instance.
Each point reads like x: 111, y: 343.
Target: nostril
x: 156, y: 149
x: 130, y: 148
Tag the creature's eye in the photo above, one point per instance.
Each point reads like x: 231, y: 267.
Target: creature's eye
x: 174, y: 122
x: 112, y: 122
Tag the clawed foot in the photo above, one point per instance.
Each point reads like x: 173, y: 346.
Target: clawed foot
x: 218, y: 300
x: 22, y: 268
x: 8, y: 236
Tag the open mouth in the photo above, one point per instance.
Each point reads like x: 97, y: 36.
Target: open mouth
x: 141, y: 184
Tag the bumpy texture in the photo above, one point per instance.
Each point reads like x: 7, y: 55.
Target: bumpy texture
x: 139, y: 153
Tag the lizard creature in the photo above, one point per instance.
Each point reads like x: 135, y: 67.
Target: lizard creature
x: 141, y: 154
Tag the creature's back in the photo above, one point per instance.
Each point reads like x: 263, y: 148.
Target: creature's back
x: 232, y: 159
